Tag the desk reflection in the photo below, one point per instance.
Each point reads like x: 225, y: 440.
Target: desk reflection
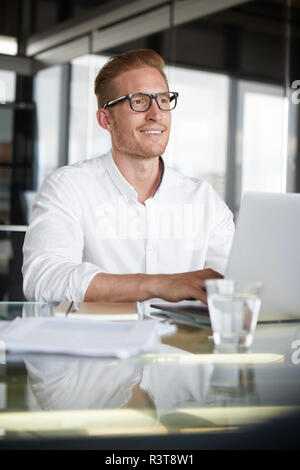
x: 162, y: 386
x: 233, y: 385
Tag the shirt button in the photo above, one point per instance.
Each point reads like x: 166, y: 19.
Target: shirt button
x: 150, y: 247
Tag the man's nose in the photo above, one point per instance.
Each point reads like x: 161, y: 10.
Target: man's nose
x: 154, y: 111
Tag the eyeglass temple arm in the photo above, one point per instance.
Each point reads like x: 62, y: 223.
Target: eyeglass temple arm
x: 111, y: 103
x: 175, y: 95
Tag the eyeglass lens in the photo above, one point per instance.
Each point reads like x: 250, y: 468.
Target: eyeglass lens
x: 141, y: 101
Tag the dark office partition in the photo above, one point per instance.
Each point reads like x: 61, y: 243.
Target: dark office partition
x: 22, y: 178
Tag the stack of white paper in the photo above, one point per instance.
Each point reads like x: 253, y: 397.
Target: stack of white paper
x: 79, y: 337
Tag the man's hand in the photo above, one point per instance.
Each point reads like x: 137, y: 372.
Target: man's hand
x: 183, y: 286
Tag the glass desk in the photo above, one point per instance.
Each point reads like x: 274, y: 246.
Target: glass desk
x: 183, y: 395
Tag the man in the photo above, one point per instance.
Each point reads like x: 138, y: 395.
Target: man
x: 124, y: 226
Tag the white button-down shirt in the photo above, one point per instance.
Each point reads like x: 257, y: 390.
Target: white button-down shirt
x: 86, y: 219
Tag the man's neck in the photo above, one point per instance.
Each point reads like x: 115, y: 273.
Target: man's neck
x: 143, y: 174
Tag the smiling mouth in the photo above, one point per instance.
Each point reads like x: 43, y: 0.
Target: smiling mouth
x: 153, y: 132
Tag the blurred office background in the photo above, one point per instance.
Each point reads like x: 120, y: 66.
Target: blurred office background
x: 235, y: 64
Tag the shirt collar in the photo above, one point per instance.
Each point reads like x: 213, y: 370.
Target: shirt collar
x: 118, y: 179
x: 161, y: 176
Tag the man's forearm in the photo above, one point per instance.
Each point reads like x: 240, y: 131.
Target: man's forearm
x: 139, y: 287
x: 121, y: 288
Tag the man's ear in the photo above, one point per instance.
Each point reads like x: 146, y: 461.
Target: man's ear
x: 103, y: 119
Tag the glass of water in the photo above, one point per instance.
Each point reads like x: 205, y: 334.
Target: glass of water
x: 233, y: 309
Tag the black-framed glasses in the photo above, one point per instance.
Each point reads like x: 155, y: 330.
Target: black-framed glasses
x: 141, y: 102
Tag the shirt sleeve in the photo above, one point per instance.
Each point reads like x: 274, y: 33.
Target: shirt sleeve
x: 221, y: 234
x: 53, y: 248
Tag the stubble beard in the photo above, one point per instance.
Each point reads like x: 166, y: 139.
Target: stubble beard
x: 135, y: 149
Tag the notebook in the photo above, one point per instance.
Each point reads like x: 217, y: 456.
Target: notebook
x: 103, y: 311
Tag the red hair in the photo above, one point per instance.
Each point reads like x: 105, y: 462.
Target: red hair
x: 118, y: 64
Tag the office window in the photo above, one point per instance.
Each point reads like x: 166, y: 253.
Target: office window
x: 47, y: 97
x: 7, y: 86
x: 198, y: 142
x: 86, y: 138
x: 8, y: 45
x: 261, y: 152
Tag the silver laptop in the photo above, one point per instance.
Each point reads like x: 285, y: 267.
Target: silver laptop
x: 266, y: 248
